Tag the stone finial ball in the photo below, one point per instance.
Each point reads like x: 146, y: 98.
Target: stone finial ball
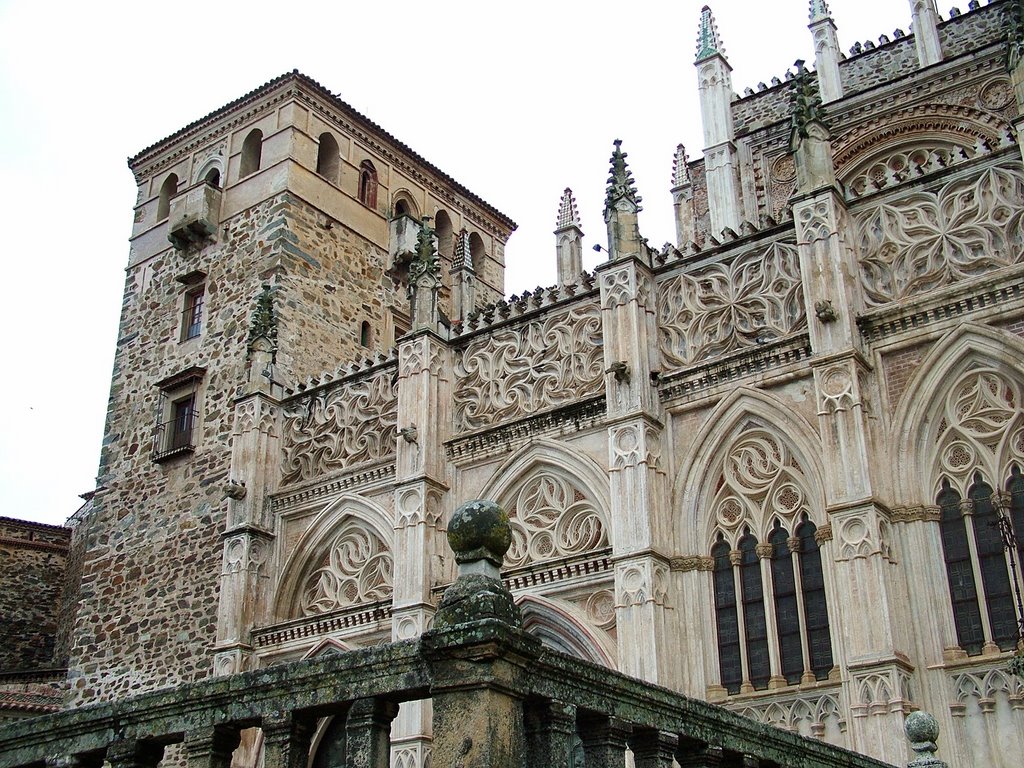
x: 921, y: 727
x: 479, y: 530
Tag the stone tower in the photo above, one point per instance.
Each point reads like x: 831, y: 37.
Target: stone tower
x: 272, y: 240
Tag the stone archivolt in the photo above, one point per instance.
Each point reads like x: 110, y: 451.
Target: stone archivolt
x: 730, y: 305
x: 552, y: 518
x: 520, y: 370
x: 982, y: 428
x: 930, y: 239
x: 335, y: 429
x: 356, y: 569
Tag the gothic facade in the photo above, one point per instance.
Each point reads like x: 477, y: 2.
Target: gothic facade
x: 762, y: 466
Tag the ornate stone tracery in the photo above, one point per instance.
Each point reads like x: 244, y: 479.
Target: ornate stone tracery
x: 930, y: 239
x: 731, y: 305
x: 356, y: 569
x: 759, y: 478
x: 982, y: 429
x: 350, y: 424
x: 518, y: 371
x: 817, y: 716
x: 551, y: 518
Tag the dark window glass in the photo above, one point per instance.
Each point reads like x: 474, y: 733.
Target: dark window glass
x: 1016, y: 489
x: 812, y: 584
x: 992, y: 563
x: 963, y: 592
x: 729, y: 663
x: 787, y: 611
x: 753, y: 613
x: 192, y: 324
x: 182, y: 420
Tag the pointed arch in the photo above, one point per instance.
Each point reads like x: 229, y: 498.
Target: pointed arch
x: 564, y: 627
x: 558, y: 503
x: 745, y: 409
x: 363, y: 530
x: 918, y: 419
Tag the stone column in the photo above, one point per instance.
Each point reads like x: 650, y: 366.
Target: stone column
x: 858, y: 540
x: 682, y: 198
x: 653, y: 749
x: 550, y: 733
x: 826, y: 51
x: 639, y: 486
x: 255, y: 461
x: 286, y: 740
x: 463, y: 278
x: 568, y: 240
x: 604, y: 740
x: 134, y: 753
x: 368, y: 733
x: 211, y: 747
x: 424, y: 397
x: 478, y: 655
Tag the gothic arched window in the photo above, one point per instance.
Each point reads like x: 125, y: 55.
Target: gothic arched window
x: 368, y: 184
x: 981, y: 436
x: 771, y: 594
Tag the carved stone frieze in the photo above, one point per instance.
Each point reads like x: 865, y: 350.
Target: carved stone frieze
x: 725, y: 306
x: 815, y: 222
x: 623, y: 285
x: 551, y: 517
x: 927, y: 240
x: 984, y: 688
x: 687, y: 563
x: 519, y: 370
x: 334, y: 429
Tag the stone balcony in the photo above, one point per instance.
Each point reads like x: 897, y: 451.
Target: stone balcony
x: 194, y: 216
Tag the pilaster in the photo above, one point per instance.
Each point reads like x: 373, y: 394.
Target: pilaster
x: 424, y: 397
x: 255, y: 461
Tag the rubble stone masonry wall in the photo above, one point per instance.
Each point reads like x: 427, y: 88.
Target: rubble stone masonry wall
x: 32, y: 559
x: 152, y: 547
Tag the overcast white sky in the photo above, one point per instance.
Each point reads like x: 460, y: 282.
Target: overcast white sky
x: 515, y: 100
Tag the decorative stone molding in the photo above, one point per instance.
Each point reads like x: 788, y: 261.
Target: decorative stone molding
x: 687, y: 563
x: 815, y: 222
x: 823, y: 534
x: 880, y: 692
x: 256, y: 414
x: 518, y: 371
x: 370, y: 477
x: 984, y: 687
x: 920, y: 513
x: 725, y: 306
x: 818, y: 715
